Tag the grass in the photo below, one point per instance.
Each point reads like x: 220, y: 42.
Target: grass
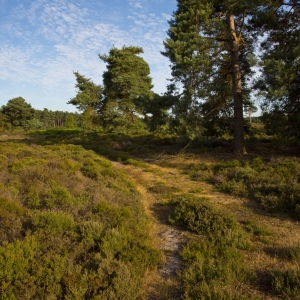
x: 274, y: 184
x: 242, y: 214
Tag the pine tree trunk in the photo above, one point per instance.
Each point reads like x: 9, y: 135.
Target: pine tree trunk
x: 239, y: 147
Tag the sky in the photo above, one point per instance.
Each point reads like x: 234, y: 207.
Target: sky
x: 42, y: 42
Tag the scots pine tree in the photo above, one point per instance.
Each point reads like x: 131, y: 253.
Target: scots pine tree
x: 89, y: 95
x: 17, y: 112
x: 279, y: 83
x: 126, y: 79
x: 208, y: 48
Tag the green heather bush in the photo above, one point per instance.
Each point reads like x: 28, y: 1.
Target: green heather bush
x: 16, y: 262
x: 91, y: 230
x: 91, y: 169
x: 286, y: 283
x: 214, y: 261
x: 212, y: 268
x: 57, y: 196
x: 274, y: 184
x: 53, y: 221
x: 11, y: 216
x: 200, y: 216
x: 71, y: 226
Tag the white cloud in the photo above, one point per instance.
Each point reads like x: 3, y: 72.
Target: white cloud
x: 48, y: 40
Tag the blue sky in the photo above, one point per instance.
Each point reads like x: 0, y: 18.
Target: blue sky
x: 43, y: 41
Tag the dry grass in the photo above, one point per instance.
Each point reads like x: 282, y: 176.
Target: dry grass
x: 266, y: 254
x: 272, y: 248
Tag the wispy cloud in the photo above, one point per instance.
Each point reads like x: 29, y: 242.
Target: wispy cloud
x: 45, y: 41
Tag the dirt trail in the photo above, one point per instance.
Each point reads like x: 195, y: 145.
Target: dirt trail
x: 165, y: 283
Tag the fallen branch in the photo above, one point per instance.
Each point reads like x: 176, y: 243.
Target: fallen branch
x: 154, y: 159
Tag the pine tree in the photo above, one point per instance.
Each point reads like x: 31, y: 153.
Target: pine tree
x: 88, y: 94
x: 126, y: 79
x: 17, y: 112
x: 208, y: 50
x: 279, y: 84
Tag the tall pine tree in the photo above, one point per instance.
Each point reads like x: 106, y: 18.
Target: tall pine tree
x: 125, y: 82
x: 279, y: 84
x: 208, y: 50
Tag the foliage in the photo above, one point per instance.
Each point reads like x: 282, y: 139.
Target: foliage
x: 214, y: 261
x: 285, y: 283
x: 278, y: 84
x: 275, y: 184
x: 156, y: 111
x: 70, y: 122
x: 199, y: 216
x: 206, y: 39
x: 126, y: 79
x: 51, y: 119
x: 72, y: 226
x: 33, y: 124
x: 88, y: 94
x: 211, y: 269
x: 17, y: 112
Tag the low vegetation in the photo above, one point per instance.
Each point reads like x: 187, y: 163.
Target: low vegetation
x: 72, y: 226
x: 274, y: 183
x: 215, y: 262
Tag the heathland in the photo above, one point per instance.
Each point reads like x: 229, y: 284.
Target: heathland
x: 86, y: 215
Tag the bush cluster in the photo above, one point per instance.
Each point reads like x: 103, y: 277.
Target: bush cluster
x: 71, y: 226
x: 274, y: 184
x: 214, y: 261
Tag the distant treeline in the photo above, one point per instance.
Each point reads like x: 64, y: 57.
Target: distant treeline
x: 18, y: 114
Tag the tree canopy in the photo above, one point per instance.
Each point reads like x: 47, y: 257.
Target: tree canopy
x: 88, y: 93
x: 208, y: 50
x: 126, y: 79
x: 211, y: 46
x: 279, y: 83
x: 17, y: 112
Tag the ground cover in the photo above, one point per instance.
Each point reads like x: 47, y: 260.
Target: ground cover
x: 72, y: 226
x: 216, y: 242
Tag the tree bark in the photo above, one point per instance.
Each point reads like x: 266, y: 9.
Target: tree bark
x: 234, y: 43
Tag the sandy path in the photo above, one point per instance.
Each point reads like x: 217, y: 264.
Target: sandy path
x: 165, y: 282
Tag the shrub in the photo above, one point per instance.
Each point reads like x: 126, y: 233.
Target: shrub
x: 214, y: 261
x: 275, y: 185
x: 211, y: 269
x: 286, y: 283
x: 53, y: 221
x: 57, y: 196
x: 11, y: 227
x: 71, y: 226
x: 91, y: 169
x: 201, y: 217
x: 15, y: 261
